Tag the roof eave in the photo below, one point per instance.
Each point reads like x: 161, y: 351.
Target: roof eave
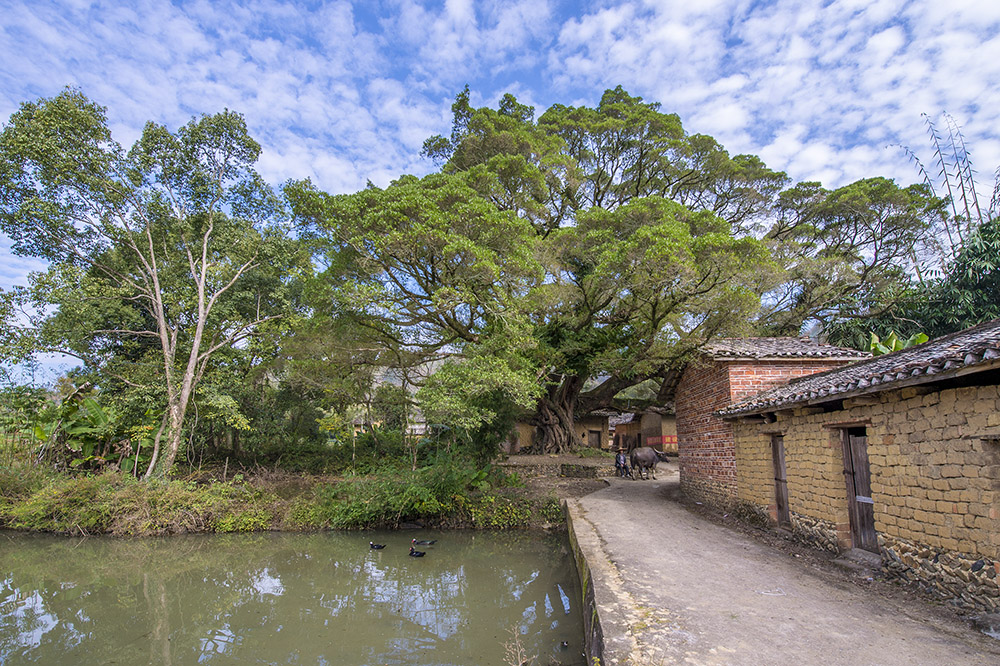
x: 925, y: 378
x: 851, y: 359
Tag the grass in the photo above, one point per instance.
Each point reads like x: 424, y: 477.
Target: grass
x: 110, y: 503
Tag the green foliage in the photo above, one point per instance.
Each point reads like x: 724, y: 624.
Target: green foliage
x: 893, y: 343
x: 391, y: 407
x: 844, y: 254
x: 389, y: 499
x: 589, y: 242
x: 159, y: 256
x: 970, y: 291
x: 552, y: 510
x: 586, y: 242
x: 438, y: 493
x: 442, y: 494
x: 953, y: 179
x: 120, y: 505
x: 16, y: 484
x: 249, y: 520
x: 19, y: 409
x: 960, y: 285
x: 965, y: 294
x: 495, y: 511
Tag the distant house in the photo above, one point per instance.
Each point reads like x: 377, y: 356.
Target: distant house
x: 592, y: 428
x: 652, y: 426
x: 727, y: 371
x: 898, y: 455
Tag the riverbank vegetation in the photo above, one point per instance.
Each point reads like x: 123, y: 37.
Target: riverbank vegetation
x: 109, y: 502
x: 381, y: 345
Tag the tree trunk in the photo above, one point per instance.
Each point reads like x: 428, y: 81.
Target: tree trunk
x: 175, y: 433
x: 555, y: 430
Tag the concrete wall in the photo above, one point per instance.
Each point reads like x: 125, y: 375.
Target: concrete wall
x: 935, y: 483
x: 707, y: 456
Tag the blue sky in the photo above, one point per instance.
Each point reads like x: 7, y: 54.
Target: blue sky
x: 345, y: 92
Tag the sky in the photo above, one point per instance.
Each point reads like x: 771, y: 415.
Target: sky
x: 344, y: 92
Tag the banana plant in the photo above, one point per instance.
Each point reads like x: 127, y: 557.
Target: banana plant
x: 81, y: 425
x: 893, y: 343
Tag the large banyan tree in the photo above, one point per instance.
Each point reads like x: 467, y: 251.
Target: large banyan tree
x: 552, y: 262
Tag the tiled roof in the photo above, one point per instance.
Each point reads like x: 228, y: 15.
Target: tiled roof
x: 759, y: 348
x: 938, y: 359
x: 622, y: 419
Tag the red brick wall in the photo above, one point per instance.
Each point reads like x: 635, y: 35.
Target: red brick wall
x: 707, y: 455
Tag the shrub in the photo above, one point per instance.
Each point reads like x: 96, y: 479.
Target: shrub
x: 121, y: 505
x: 499, y: 512
x: 551, y: 509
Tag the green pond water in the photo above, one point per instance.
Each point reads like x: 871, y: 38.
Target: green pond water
x: 288, y: 599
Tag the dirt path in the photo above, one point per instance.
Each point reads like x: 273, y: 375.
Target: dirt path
x: 676, y: 588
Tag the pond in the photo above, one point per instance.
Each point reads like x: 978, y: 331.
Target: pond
x: 282, y: 598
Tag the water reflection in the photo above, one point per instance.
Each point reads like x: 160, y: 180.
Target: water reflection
x: 281, y: 598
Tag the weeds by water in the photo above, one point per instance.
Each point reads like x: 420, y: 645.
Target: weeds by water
x: 515, y: 654
x: 113, y: 503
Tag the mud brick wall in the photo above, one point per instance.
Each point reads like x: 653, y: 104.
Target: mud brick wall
x: 588, y: 423
x: 935, y: 471
x: 706, y: 450
x: 813, y: 467
x: 755, y: 477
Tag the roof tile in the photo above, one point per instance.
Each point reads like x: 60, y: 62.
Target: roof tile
x: 951, y: 353
x: 759, y: 348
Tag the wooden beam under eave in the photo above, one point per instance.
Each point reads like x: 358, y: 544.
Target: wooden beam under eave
x: 843, y: 425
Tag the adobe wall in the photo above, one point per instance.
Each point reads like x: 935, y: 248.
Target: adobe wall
x: 935, y: 483
x: 706, y: 453
x: 588, y: 423
x: 520, y: 438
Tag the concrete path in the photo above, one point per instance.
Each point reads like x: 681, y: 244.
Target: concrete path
x: 672, y: 588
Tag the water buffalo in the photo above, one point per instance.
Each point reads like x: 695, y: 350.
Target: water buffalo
x: 645, y: 458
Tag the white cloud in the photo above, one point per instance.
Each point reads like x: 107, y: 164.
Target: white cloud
x: 818, y: 90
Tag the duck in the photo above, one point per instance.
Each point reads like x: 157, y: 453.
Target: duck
x: 416, y: 553
x: 423, y: 542
x: 376, y: 546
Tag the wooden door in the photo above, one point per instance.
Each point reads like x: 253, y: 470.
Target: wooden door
x: 594, y: 439
x: 860, y: 505
x: 780, y: 481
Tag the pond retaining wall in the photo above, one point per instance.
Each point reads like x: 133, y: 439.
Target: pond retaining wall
x: 607, y: 638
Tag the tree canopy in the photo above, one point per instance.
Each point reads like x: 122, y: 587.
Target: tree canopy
x: 563, y: 246
x: 550, y: 263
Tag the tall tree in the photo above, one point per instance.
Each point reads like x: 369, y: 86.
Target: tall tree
x: 171, y: 250
x: 557, y: 246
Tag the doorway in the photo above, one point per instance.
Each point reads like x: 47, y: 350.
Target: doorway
x: 857, y: 475
x: 783, y: 516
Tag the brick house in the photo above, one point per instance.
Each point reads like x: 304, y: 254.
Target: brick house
x: 898, y: 455
x: 727, y: 371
